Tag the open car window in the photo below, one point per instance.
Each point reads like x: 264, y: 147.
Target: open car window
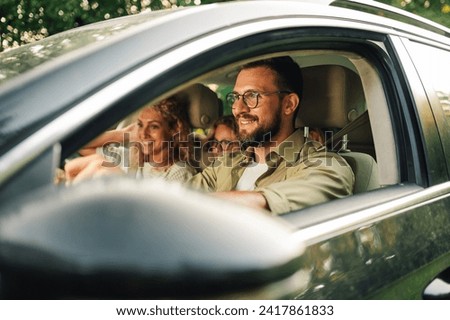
x: 344, y: 100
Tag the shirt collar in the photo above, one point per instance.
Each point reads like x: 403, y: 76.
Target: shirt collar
x: 290, y: 148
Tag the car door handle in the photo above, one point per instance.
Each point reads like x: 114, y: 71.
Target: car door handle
x: 439, y: 288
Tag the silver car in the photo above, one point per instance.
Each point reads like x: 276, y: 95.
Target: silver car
x: 376, y: 77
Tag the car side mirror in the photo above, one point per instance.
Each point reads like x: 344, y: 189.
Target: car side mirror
x: 121, y: 238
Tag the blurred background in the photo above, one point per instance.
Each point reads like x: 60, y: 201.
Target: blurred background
x: 25, y: 21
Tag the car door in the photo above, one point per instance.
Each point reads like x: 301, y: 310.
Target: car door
x: 429, y: 61
x: 394, y: 248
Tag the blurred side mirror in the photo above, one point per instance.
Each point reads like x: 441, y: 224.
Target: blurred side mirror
x: 121, y: 239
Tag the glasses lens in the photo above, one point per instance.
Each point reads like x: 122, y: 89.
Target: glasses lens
x: 251, y: 99
x: 231, y: 98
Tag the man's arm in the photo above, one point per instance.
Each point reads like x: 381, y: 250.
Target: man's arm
x: 324, y: 178
x: 249, y: 198
x: 206, y: 180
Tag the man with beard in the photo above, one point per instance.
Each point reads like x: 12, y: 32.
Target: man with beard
x: 276, y: 169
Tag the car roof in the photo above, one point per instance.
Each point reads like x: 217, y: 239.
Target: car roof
x: 109, y: 49
x: 98, y: 33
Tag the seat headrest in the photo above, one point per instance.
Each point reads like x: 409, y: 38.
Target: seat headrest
x: 204, y: 106
x: 333, y: 96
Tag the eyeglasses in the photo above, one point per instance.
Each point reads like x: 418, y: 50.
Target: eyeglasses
x: 223, y: 145
x: 250, y: 97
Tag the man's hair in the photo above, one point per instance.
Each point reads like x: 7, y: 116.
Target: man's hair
x: 289, y: 74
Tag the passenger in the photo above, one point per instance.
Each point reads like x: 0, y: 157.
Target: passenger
x: 317, y: 134
x: 153, y: 146
x: 277, y: 171
x: 223, y: 137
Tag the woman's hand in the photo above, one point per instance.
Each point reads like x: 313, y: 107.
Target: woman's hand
x: 87, y: 167
x: 117, y: 136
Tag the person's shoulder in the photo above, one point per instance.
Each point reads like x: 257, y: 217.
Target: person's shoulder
x: 228, y: 159
x: 314, y: 151
x: 180, y: 171
x: 182, y: 166
x: 313, y: 148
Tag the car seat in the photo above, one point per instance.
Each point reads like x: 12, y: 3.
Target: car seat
x: 334, y: 100
x: 204, y: 109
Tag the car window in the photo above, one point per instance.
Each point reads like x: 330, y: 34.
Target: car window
x: 431, y: 63
x: 345, y: 98
x: 345, y: 85
x: 335, y: 105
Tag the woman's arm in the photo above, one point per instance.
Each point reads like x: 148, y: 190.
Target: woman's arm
x: 118, y: 136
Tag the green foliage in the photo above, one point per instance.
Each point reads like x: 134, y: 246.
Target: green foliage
x: 25, y: 21
x: 435, y: 10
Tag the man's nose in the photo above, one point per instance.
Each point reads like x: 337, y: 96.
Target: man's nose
x: 240, y: 106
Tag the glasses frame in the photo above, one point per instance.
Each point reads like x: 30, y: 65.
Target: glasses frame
x: 223, y: 145
x: 237, y: 96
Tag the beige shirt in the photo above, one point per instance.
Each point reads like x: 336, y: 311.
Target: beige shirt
x: 180, y: 171
x: 300, y: 174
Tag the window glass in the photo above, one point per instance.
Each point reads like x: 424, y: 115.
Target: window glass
x: 434, y: 68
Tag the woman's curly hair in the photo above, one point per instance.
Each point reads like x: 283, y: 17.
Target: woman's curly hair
x: 174, y: 111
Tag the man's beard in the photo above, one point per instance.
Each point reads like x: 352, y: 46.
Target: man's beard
x: 261, y: 134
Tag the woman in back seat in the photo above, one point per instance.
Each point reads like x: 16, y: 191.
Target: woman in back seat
x: 153, y: 146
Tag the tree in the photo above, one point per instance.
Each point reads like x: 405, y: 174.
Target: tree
x: 25, y: 21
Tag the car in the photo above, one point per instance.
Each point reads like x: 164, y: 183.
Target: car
x: 376, y: 80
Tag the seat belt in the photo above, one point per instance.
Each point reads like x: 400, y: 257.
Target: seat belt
x: 341, y: 135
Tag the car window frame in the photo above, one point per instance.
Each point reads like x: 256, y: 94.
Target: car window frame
x: 421, y: 125
x: 277, y: 39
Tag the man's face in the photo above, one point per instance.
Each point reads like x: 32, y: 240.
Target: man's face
x: 260, y: 124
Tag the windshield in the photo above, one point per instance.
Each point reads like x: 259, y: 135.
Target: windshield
x: 19, y: 60
x: 18, y: 118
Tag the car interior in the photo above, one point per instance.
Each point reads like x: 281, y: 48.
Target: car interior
x: 343, y: 98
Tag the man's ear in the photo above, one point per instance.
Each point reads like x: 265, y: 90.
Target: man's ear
x: 291, y: 103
